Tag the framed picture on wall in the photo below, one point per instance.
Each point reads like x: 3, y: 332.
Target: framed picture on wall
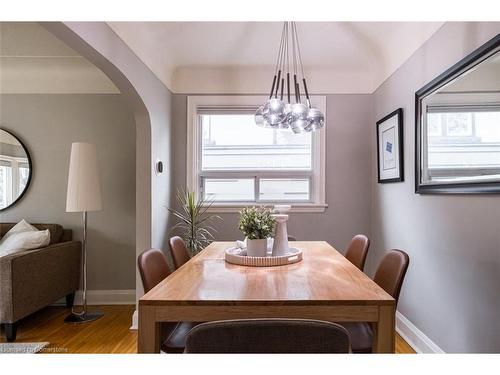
x: 390, y: 156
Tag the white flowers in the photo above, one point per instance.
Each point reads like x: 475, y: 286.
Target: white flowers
x: 256, y: 222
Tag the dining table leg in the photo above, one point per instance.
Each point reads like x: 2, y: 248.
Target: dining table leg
x: 384, y: 338
x: 148, y: 340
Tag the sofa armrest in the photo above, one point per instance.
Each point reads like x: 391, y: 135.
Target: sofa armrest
x: 31, y: 280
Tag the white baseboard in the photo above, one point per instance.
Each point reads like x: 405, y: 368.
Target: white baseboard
x: 105, y: 297
x: 415, y: 337
x: 135, y: 320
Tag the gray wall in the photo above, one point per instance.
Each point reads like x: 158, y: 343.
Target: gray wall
x: 452, y: 289
x: 150, y: 102
x: 349, y: 128
x: 48, y: 124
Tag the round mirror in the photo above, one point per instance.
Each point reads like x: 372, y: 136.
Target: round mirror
x: 15, y: 169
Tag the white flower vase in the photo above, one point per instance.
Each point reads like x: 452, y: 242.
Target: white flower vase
x: 257, y: 248
x: 280, y: 245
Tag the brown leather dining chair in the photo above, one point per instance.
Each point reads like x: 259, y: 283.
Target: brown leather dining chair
x: 180, y: 253
x: 268, y: 336
x: 153, y: 268
x: 389, y: 276
x: 358, y: 250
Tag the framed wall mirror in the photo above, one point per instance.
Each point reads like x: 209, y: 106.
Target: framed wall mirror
x: 457, y: 149
x: 15, y: 169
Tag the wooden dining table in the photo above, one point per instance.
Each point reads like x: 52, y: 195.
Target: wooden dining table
x: 323, y: 286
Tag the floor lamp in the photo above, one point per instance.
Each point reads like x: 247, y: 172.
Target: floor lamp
x: 84, y: 195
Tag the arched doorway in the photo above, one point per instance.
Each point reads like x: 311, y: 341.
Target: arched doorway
x: 150, y: 101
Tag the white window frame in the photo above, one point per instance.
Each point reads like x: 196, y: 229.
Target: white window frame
x: 13, y: 186
x: 193, y: 146
x: 447, y: 103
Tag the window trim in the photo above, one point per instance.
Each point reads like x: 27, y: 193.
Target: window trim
x: 193, y: 149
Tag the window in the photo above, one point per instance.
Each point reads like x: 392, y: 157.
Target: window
x: 463, y: 143
x: 14, y: 174
x: 24, y: 173
x: 236, y: 163
x: 6, y: 188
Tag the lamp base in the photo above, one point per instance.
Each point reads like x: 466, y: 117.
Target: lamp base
x: 83, y: 318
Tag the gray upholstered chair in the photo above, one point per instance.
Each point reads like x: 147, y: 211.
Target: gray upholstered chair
x: 389, y: 276
x: 268, y: 336
x: 358, y: 250
x: 153, y: 268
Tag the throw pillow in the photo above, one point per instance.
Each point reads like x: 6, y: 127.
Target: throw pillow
x: 23, y: 236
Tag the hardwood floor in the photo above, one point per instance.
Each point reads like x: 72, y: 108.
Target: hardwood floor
x: 110, y: 334
x: 402, y: 346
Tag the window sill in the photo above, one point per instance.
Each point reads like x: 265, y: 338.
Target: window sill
x: 236, y: 207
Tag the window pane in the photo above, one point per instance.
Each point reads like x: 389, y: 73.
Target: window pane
x: 463, y: 146
x: 5, y: 185
x: 229, y: 190
x: 23, y: 178
x: 284, y: 189
x: 234, y: 142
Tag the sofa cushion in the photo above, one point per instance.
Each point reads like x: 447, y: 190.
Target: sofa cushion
x: 22, y: 226
x: 16, y: 241
x: 55, y: 230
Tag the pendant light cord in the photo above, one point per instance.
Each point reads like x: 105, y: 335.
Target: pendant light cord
x: 276, y: 79
x: 275, y: 113
x: 302, y: 67
x: 278, y: 57
x: 283, y: 59
x: 287, y: 63
x: 298, y: 50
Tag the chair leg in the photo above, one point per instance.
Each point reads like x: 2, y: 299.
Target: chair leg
x: 10, y: 331
x: 70, y: 300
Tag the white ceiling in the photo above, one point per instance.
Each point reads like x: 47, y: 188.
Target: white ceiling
x: 33, y: 61
x: 239, y: 57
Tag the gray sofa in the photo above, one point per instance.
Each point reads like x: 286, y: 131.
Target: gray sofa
x: 33, y: 279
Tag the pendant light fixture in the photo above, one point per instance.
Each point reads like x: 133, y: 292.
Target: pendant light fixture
x: 283, y: 112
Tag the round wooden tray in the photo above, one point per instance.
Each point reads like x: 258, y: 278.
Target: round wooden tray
x: 236, y: 255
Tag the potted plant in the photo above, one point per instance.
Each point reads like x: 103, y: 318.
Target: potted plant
x: 194, y: 222
x: 257, y: 224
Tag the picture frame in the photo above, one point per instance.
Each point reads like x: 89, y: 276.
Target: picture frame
x: 390, y: 147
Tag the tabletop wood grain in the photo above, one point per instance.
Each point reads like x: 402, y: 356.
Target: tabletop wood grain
x: 323, y: 277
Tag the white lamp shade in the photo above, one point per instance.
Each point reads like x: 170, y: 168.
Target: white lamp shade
x: 84, y: 190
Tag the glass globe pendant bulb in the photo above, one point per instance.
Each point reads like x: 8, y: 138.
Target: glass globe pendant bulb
x: 259, y: 116
x: 284, y: 124
x: 315, y: 119
x: 297, y: 111
x: 274, y: 112
x: 273, y: 120
x: 297, y: 117
x: 299, y: 126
